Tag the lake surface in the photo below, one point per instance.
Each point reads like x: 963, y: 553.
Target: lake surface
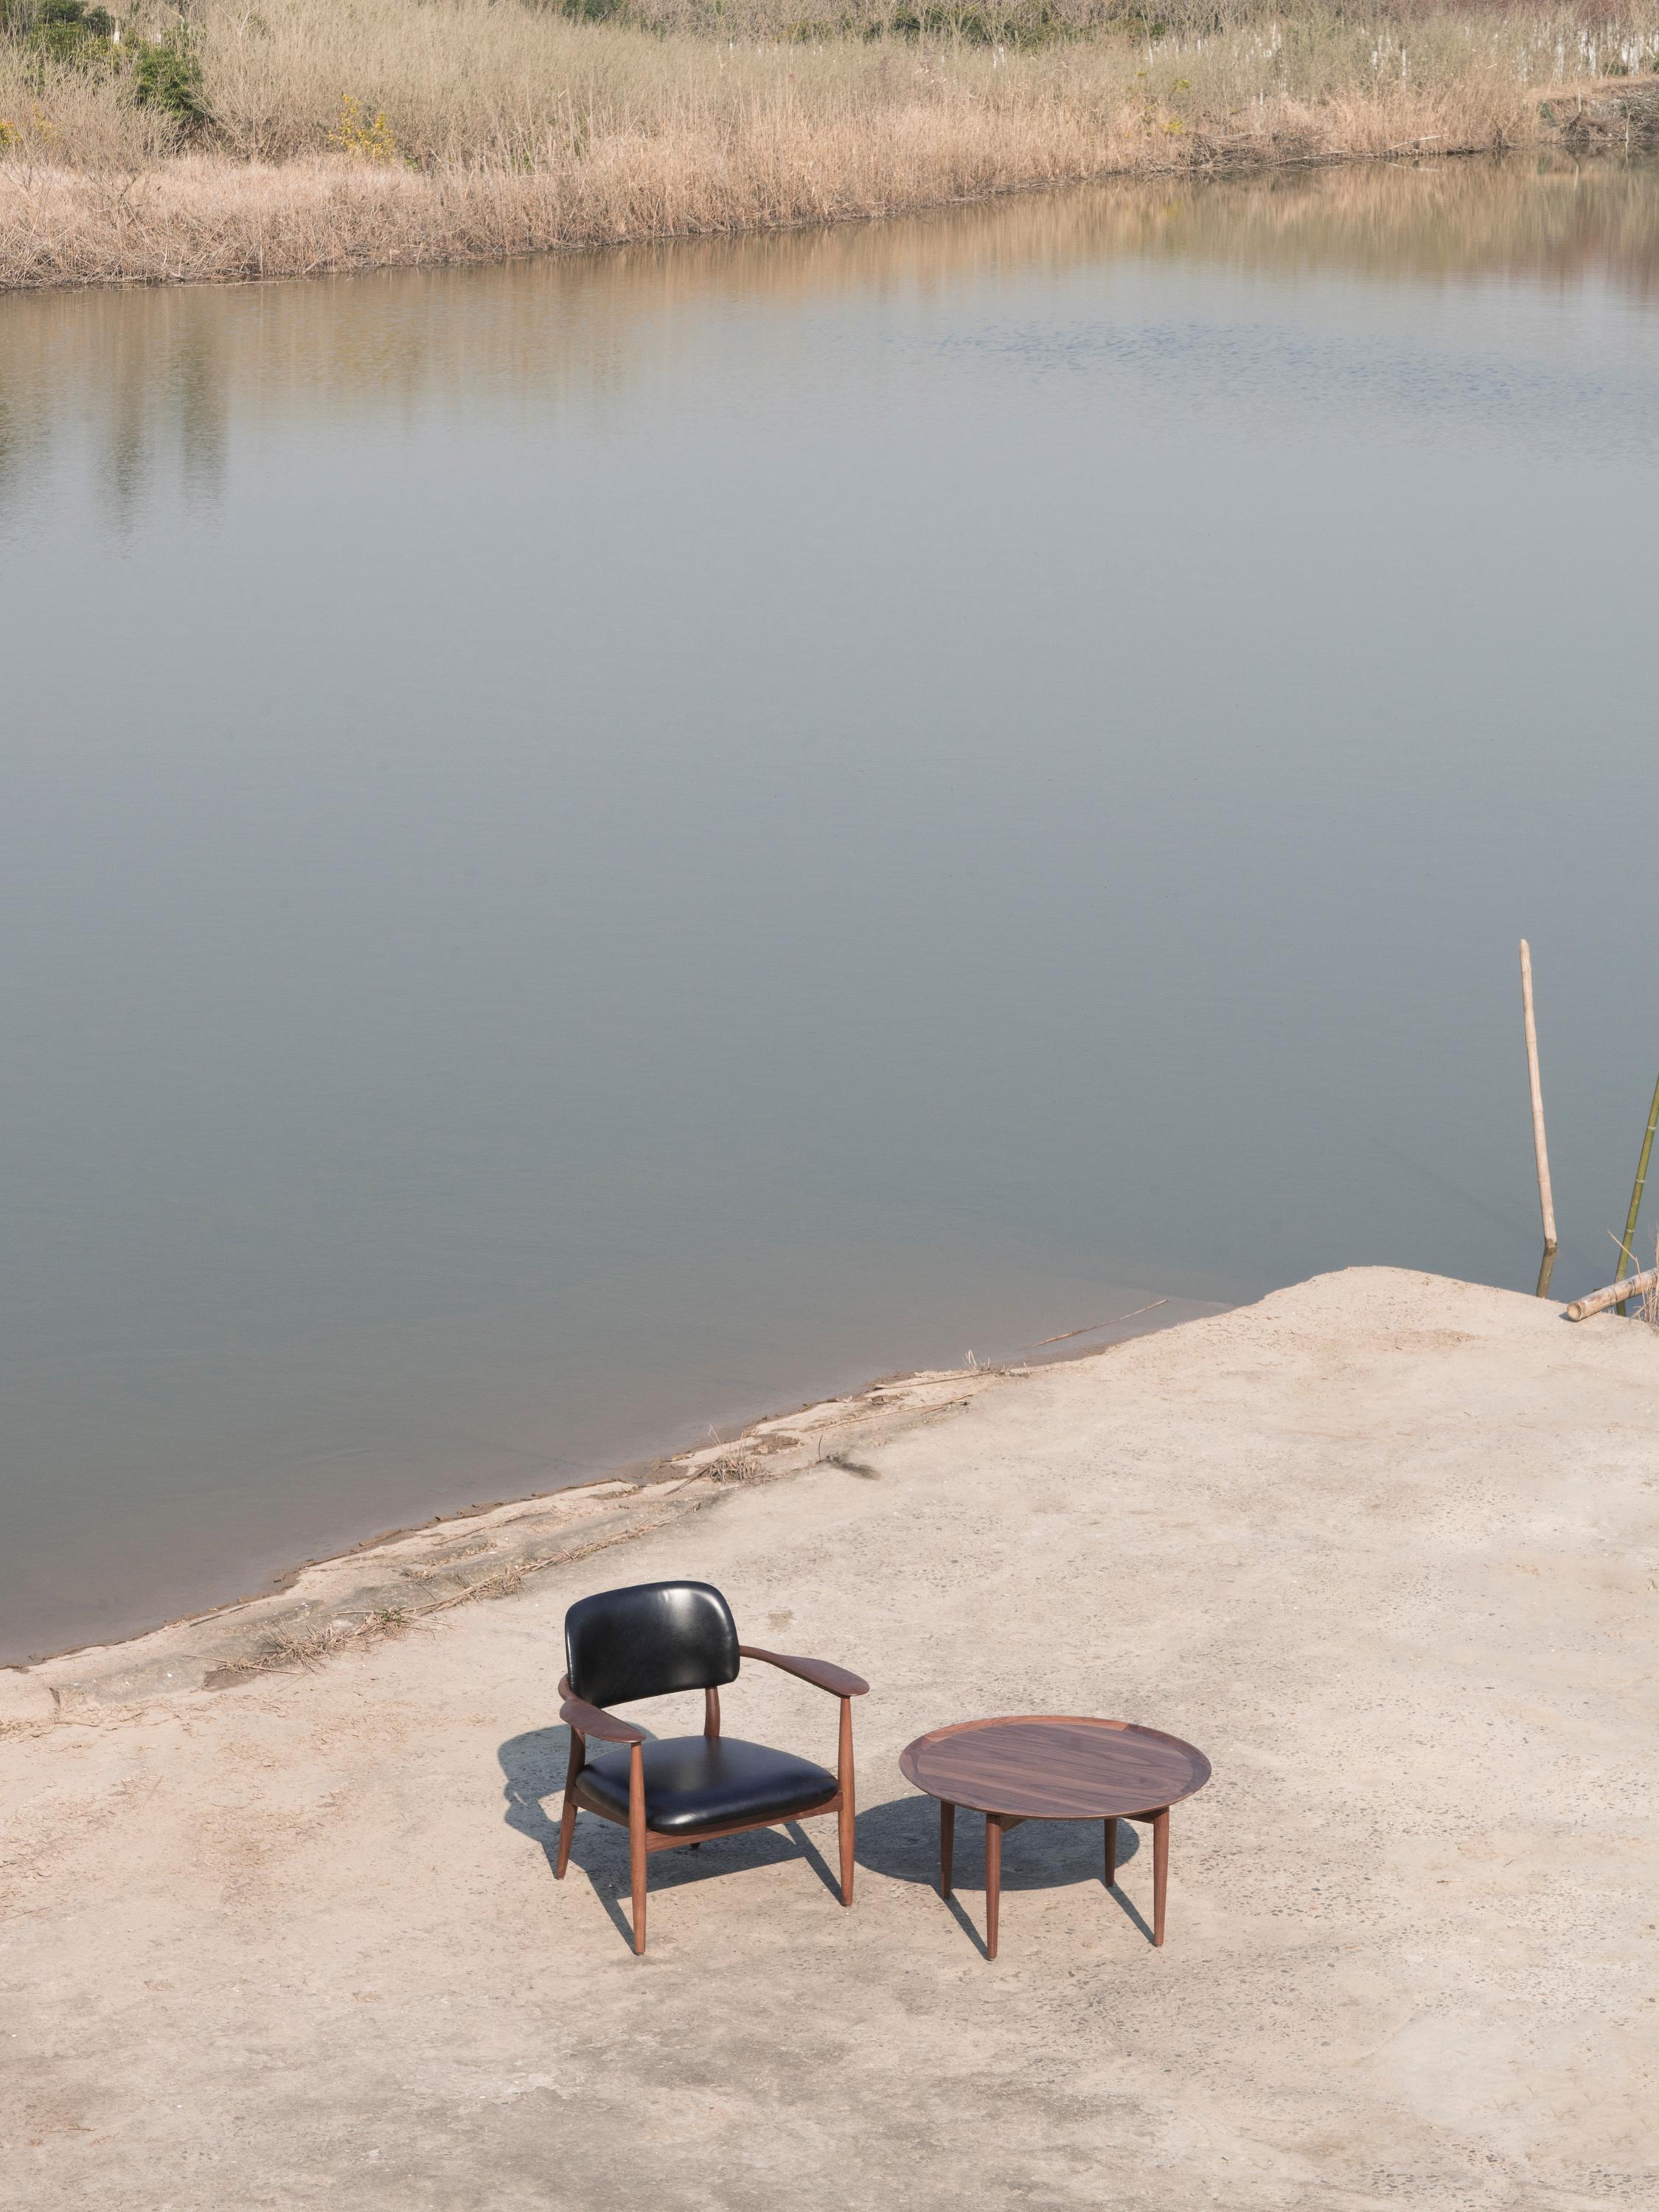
x: 595, y: 847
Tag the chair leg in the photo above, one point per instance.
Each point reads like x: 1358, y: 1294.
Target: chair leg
x: 636, y: 1843
x: 568, y: 1817
x: 848, y: 1810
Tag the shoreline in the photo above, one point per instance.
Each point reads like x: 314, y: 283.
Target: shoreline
x: 265, y: 270
x: 690, y: 136
x: 388, y: 1581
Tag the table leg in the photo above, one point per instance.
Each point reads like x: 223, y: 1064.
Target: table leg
x: 1160, y: 1870
x: 1111, y: 1853
x: 993, y: 1881
x: 947, y: 1836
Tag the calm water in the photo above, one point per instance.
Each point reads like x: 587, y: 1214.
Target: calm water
x: 594, y: 846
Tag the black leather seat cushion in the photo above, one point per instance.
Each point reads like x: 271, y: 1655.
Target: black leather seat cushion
x: 695, y: 1781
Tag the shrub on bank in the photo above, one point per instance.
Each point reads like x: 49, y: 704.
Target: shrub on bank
x: 69, y: 30
x: 166, y: 74
x: 161, y: 71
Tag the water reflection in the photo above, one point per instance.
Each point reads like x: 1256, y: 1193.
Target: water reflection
x: 156, y: 378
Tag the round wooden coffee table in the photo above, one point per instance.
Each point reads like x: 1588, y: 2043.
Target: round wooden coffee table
x: 1043, y: 1766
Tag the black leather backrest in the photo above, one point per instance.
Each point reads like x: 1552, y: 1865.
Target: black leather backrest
x: 642, y: 1642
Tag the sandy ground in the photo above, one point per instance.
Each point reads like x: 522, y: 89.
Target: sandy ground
x: 1383, y: 1545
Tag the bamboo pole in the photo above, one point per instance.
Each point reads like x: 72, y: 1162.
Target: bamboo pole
x: 1630, y: 1286
x: 1541, y: 1148
x: 1627, y: 1248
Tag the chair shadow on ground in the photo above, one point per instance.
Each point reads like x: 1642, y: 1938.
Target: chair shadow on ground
x: 898, y: 1838
x: 535, y: 1765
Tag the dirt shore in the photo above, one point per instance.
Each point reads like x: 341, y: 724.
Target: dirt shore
x: 1384, y: 1545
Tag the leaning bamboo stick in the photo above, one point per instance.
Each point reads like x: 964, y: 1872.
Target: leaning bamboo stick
x: 1540, y: 1146
x: 1627, y: 1248
x: 1632, y: 1286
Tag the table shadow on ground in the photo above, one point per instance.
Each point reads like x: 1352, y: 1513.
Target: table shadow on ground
x: 900, y: 1839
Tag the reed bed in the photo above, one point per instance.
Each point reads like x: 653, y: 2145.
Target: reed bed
x: 384, y: 132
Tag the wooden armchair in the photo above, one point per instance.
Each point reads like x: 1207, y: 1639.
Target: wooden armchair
x: 647, y: 1641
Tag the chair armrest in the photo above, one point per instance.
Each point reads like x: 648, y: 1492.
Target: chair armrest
x: 594, y: 1720
x: 818, y: 1672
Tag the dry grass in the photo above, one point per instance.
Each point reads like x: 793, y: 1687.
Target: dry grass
x: 380, y: 132
x: 302, y: 1647
x: 739, y: 1461
x: 309, y: 1647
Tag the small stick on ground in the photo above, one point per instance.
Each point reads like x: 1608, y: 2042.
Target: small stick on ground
x: 1540, y: 1149
x: 1615, y: 1294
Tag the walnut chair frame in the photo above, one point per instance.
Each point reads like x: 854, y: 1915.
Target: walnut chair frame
x: 585, y: 1721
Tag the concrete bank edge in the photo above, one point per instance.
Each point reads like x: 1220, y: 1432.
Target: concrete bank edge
x: 381, y: 1587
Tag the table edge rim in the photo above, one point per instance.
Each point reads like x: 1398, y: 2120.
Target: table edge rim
x: 907, y: 1758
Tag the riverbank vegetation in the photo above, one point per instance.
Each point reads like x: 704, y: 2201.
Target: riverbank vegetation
x: 250, y: 137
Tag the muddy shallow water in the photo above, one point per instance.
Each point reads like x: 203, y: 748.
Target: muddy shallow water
x: 597, y: 845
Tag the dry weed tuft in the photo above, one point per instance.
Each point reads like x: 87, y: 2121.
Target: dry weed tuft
x: 737, y: 1462
x: 289, y: 1648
